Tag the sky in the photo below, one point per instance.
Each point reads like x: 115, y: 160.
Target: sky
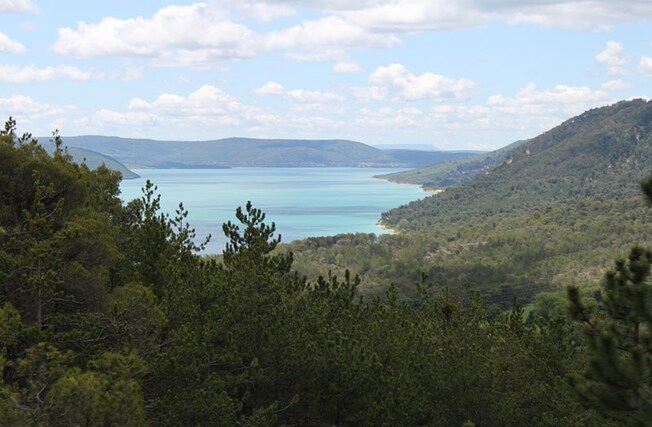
x: 451, y: 74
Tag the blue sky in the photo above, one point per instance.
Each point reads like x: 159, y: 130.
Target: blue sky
x: 463, y: 74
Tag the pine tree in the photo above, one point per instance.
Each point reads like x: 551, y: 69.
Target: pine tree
x: 618, y: 380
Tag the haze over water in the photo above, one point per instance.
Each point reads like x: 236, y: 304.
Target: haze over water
x: 303, y: 202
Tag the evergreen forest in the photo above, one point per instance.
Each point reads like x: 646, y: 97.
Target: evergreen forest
x: 519, y: 297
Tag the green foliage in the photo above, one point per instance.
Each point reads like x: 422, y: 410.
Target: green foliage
x: 455, y: 171
x: 553, y: 214
x: 109, y: 317
x: 619, y: 339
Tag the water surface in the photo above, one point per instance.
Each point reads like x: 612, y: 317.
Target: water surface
x: 303, y: 202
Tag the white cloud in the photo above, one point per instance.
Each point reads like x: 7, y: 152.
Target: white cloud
x: 575, y: 14
x: 132, y: 118
x: 31, y: 73
x: 16, y: 6
x: 207, y: 111
x: 264, y: 11
x: 25, y: 106
x: 330, y: 32
x: 615, y: 85
x: 645, y: 65
x: 205, y: 101
x: 347, y: 67
x: 427, y: 15
x: 416, y: 15
x: 525, y: 114
x: 200, y: 35
x: 133, y: 72
x: 405, y: 117
x: 613, y: 54
x: 560, y: 95
x: 10, y: 46
x: 395, y: 80
x: 539, y: 110
x: 202, y: 110
x: 193, y: 35
x: 270, y: 88
x: 613, y: 57
x: 300, y: 96
x: 318, y: 55
x: 314, y: 97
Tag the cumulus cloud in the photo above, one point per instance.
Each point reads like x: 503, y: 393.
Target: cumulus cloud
x: 263, y: 11
x: 539, y: 110
x: 645, y: 65
x: 17, y: 6
x: 347, y: 67
x: 416, y: 15
x: 201, y: 34
x: 313, y: 97
x: 31, y: 73
x: 560, y: 95
x: 207, y: 100
x: 318, y: 55
x: 396, y: 81
x: 614, y: 58
x: 406, y: 117
x: 615, y: 85
x: 20, y: 105
x: 573, y: 14
x: 211, y: 112
x: 329, y: 32
x: 427, y: 15
x: 300, y: 96
x: 270, y: 88
x: 175, y: 35
x: 204, y: 110
x: 10, y: 46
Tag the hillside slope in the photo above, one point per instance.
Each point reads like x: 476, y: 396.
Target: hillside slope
x: 557, y: 212
x: 453, y: 171
x: 242, y: 152
x: 93, y: 160
x: 604, y: 152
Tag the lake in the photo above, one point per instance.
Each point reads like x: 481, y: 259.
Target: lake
x: 303, y: 202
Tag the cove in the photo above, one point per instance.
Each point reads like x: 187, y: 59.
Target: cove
x: 302, y: 202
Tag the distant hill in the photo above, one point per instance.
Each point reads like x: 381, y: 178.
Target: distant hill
x: 413, y: 158
x: 555, y: 212
x: 454, y: 171
x: 239, y: 152
x: 605, y: 152
x: 93, y: 160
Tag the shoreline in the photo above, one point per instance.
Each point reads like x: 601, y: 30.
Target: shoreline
x: 390, y: 230
x: 433, y: 190
x: 423, y: 189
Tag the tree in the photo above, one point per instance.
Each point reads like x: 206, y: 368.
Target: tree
x: 619, y: 379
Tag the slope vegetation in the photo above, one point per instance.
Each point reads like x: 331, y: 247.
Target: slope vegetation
x: 453, y: 171
x: 604, y: 152
x: 93, y: 160
x: 552, y: 214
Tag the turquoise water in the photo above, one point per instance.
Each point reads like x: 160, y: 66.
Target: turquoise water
x: 303, y: 202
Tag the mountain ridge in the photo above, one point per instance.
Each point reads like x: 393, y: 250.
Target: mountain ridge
x: 251, y: 152
x: 603, y: 152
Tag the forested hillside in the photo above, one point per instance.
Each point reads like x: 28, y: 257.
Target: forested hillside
x: 240, y: 152
x: 109, y: 317
x: 453, y: 171
x: 551, y: 215
x: 604, y: 153
x: 93, y: 160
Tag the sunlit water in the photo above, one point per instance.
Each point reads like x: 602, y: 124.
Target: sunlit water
x: 303, y: 202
